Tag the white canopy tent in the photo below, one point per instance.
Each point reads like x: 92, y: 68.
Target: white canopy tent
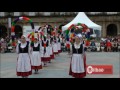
x: 82, y: 18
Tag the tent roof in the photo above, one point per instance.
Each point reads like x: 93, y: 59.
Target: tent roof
x: 82, y: 18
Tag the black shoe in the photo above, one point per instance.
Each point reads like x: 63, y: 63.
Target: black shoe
x: 35, y: 71
x: 45, y: 64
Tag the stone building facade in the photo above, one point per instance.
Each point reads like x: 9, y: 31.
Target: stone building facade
x: 110, y: 21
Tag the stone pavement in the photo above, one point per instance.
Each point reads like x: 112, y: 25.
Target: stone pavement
x: 59, y: 68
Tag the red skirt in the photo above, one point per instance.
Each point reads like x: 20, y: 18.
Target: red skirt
x: 79, y: 75
x: 37, y: 67
x: 52, y: 56
x: 24, y: 74
x: 59, y: 51
x: 45, y: 59
x: 55, y: 53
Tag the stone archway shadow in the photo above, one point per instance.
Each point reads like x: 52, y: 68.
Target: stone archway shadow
x: 112, y: 30
x: 18, y: 31
x: 3, y: 31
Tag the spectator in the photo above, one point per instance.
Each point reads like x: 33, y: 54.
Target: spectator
x: 102, y: 46
x: 118, y: 38
x: 119, y: 46
x: 2, y: 39
x: 93, y: 46
x: 109, y: 45
x: 97, y: 46
x: 115, y: 45
x: 3, y: 46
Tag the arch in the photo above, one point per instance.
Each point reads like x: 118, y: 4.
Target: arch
x: 84, y: 30
x: 3, y: 31
x: 19, y: 19
x: 112, y: 30
x: 18, y: 31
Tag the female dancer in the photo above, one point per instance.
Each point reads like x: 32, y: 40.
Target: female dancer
x: 35, y: 57
x: 23, y: 60
x: 77, y: 64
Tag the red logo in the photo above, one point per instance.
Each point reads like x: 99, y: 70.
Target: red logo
x: 99, y: 69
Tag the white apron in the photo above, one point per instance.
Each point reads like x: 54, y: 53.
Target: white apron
x: 55, y: 47
x: 35, y: 57
x: 45, y: 54
x: 50, y: 50
x: 23, y: 63
x: 59, y: 45
x: 77, y: 63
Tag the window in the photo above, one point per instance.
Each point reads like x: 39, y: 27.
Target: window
x: 2, y: 13
x: 47, y: 13
x: 109, y: 13
x: 16, y: 13
x: 62, y: 13
x: 31, y: 13
x: 94, y: 13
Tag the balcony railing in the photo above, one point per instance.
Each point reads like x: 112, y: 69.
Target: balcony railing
x: 50, y: 14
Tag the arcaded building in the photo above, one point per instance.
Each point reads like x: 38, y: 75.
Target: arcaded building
x: 110, y: 21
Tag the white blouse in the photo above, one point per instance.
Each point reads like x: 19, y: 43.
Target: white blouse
x: 77, y: 46
x: 35, y: 44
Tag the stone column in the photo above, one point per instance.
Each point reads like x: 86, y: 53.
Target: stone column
x: 118, y: 27
x: 104, y: 29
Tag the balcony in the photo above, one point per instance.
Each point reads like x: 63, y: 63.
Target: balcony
x: 2, y: 14
x: 17, y: 14
x: 55, y: 14
x: 103, y: 13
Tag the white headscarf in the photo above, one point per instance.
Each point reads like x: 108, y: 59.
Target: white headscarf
x: 79, y: 35
x: 24, y: 36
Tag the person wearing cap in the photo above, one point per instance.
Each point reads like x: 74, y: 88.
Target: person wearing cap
x: 114, y: 45
x: 109, y: 45
x: 23, y: 60
x: 35, y: 56
x: 77, y: 64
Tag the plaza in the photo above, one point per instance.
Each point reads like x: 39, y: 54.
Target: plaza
x: 100, y: 32
x: 59, y: 68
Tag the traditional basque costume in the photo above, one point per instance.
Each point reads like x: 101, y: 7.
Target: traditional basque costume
x: 23, y: 60
x: 78, y: 61
x: 51, y: 49
x: 35, y: 56
x: 59, y: 46
x: 55, y: 47
x: 45, y: 56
